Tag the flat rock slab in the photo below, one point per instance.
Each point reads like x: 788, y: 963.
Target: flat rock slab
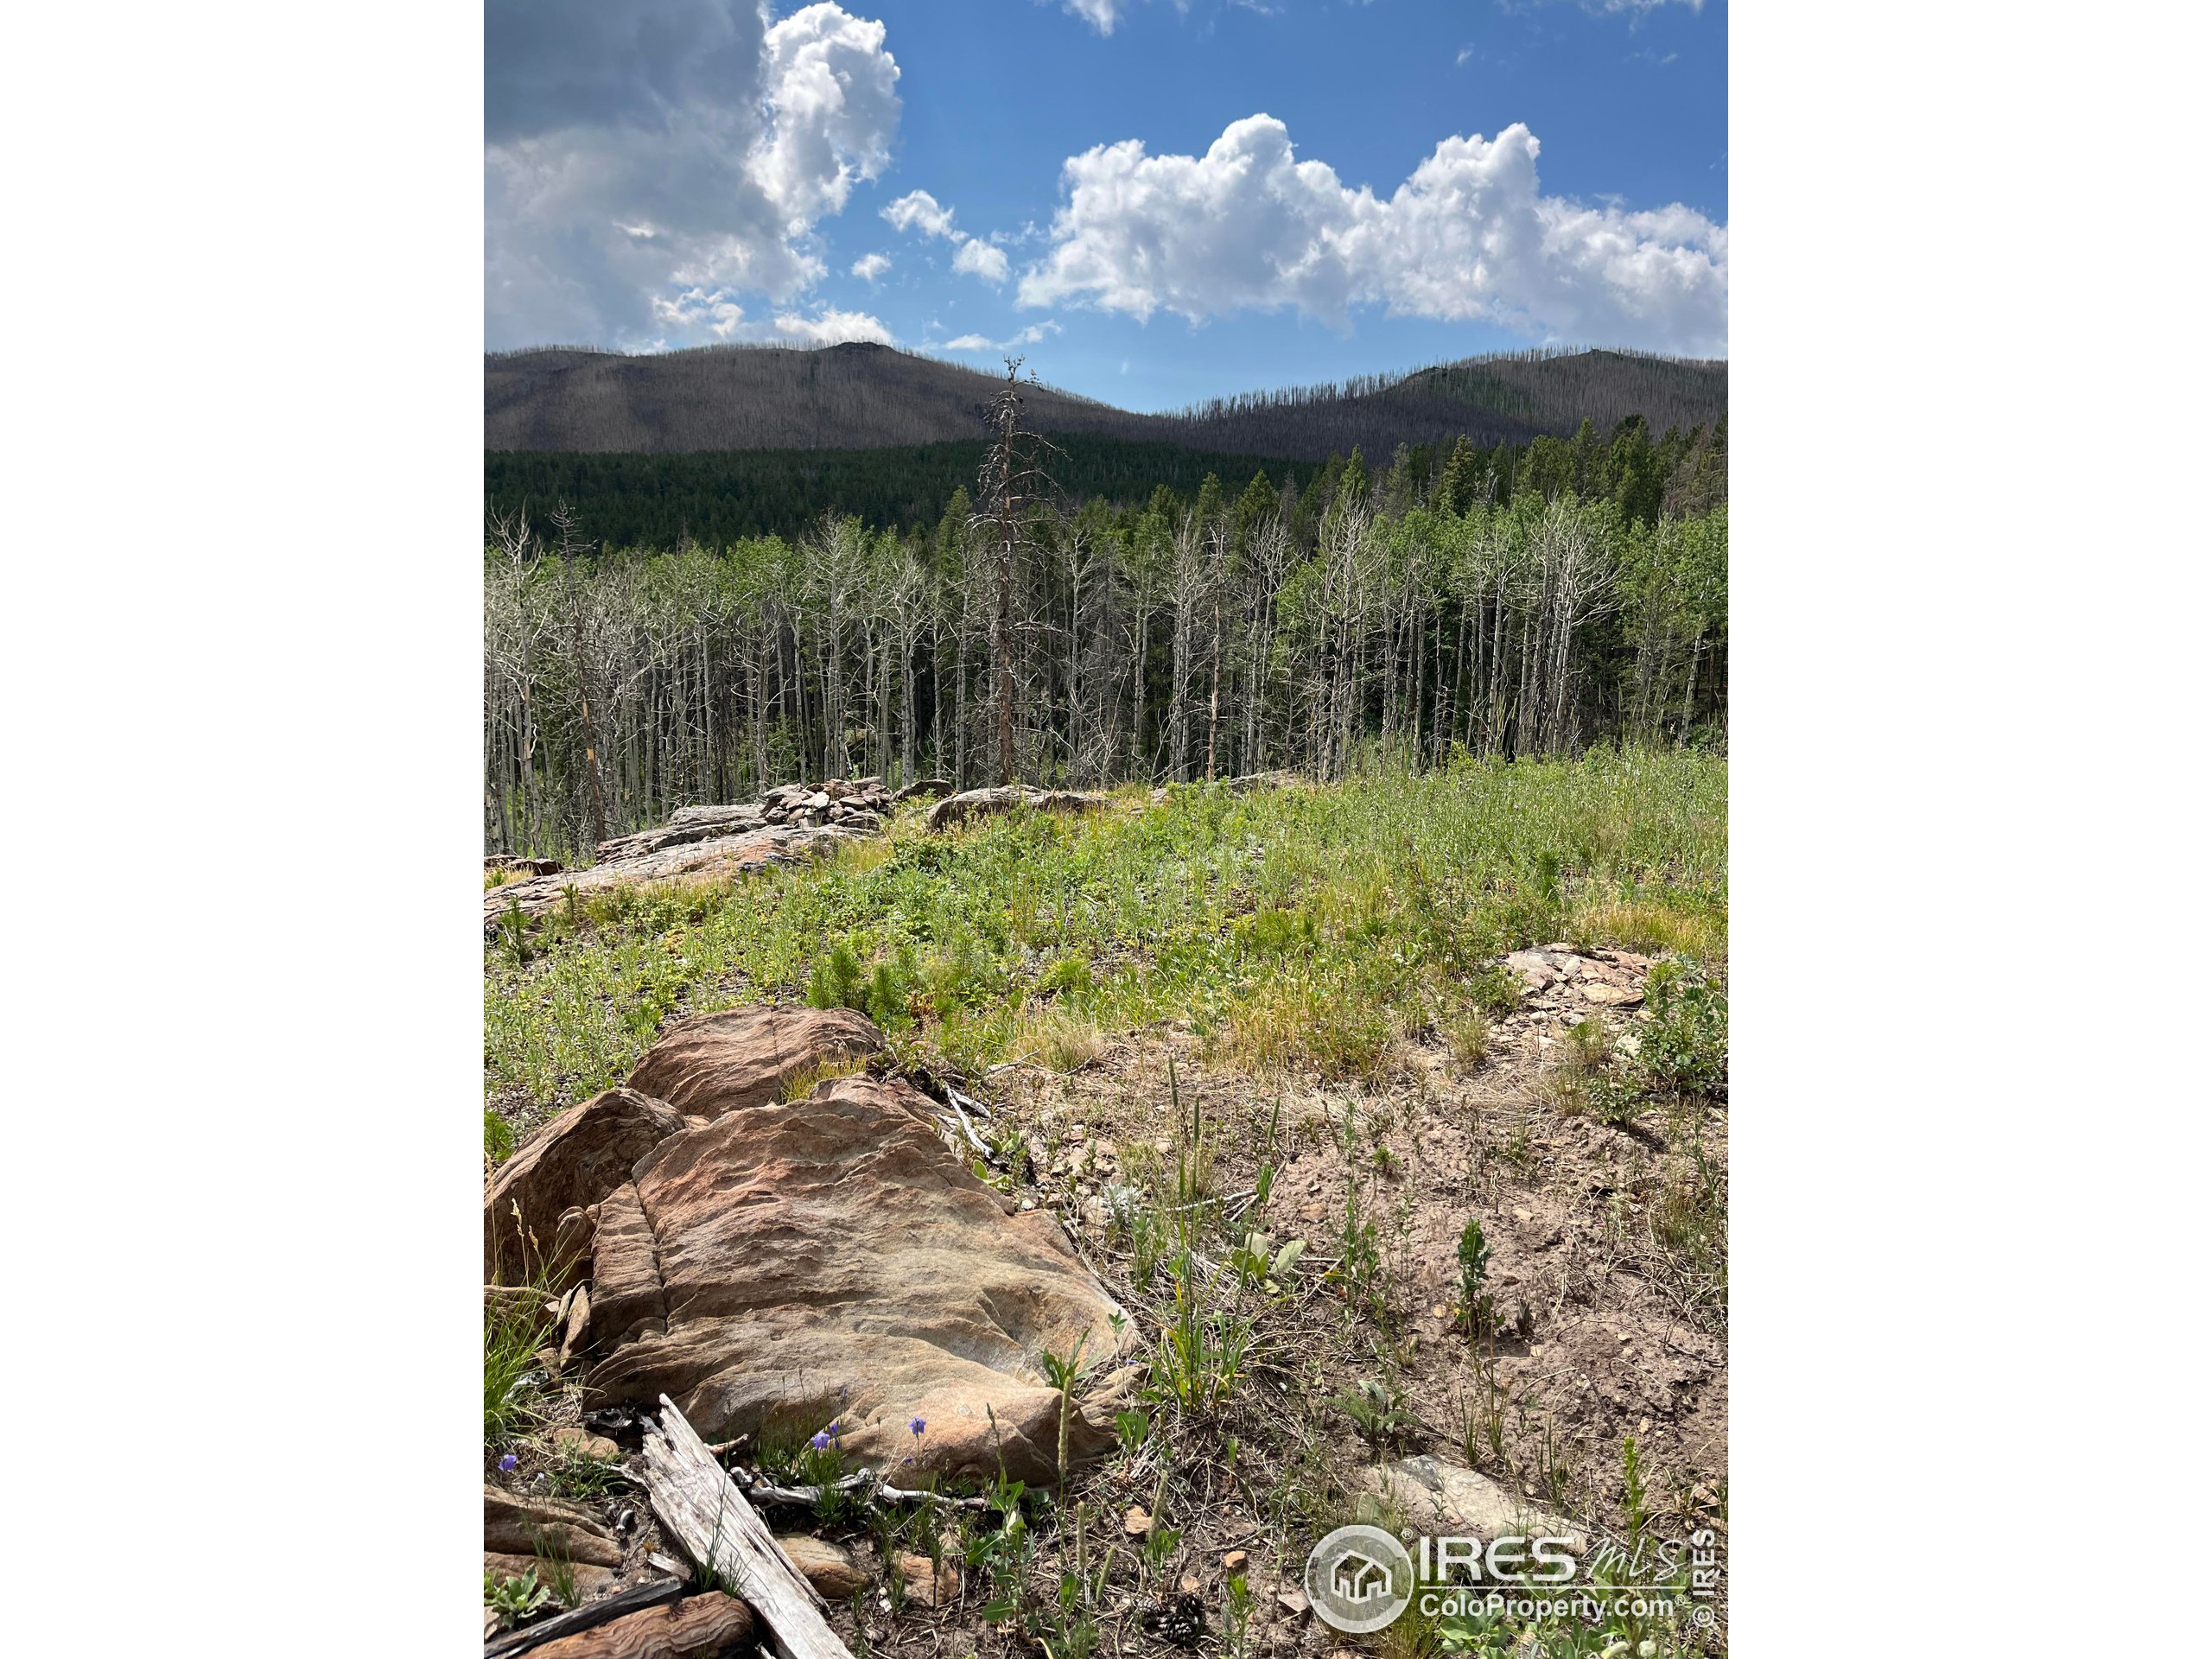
x: 1436, y: 1496
x: 718, y: 858
x: 726, y: 1062
x: 576, y: 1160
x: 977, y: 804
x: 831, y: 1259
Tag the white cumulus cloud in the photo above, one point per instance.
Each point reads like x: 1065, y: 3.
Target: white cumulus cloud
x: 919, y: 211
x: 979, y: 258
x: 870, y: 267
x: 696, y: 312
x: 641, y: 159
x: 833, y: 327
x: 1468, y: 236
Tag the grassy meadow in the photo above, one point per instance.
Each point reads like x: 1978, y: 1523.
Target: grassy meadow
x: 1297, y: 928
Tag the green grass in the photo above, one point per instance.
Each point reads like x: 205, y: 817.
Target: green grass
x: 1295, y: 929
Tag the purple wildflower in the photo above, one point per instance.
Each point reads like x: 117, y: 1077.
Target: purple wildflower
x: 820, y: 1442
x: 916, y: 1427
x: 507, y: 1463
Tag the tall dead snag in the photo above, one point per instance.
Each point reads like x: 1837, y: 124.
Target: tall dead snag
x: 1013, y: 479
x: 595, y: 829
x: 700, y: 1508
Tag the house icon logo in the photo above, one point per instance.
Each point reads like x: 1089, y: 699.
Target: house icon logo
x: 1359, y: 1578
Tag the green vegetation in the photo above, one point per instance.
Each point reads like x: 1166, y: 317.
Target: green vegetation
x: 1296, y: 929
x: 514, y: 1329
x: 515, y: 1597
x: 717, y: 497
x: 1308, y: 942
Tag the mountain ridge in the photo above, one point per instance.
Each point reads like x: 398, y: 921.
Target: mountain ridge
x: 860, y: 396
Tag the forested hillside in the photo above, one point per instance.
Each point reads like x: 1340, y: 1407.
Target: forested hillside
x: 1510, y: 600
x: 859, y: 395
x: 716, y: 497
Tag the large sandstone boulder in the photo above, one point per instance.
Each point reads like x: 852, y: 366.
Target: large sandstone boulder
x: 575, y: 1161
x: 975, y: 803
x: 829, y: 1258
x: 726, y: 1062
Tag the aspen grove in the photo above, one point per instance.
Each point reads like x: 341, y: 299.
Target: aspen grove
x: 1371, y: 616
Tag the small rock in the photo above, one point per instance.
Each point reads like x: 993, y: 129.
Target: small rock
x: 823, y: 1565
x: 1293, y: 1602
x: 1235, y: 1561
x: 1189, y: 1584
x: 929, y: 1587
x: 583, y: 1442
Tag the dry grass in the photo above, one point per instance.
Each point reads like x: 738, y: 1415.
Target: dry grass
x: 1290, y: 1026
x: 1468, y: 1038
x: 1060, y: 1041
x: 1650, y: 929
x: 803, y: 1083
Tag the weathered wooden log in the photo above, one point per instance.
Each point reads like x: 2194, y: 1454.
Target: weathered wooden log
x: 702, y: 1508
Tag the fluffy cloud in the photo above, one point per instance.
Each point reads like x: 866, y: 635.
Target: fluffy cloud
x: 697, y: 312
x: 980, y: 259
x: 643, y: 163
x: 870, y: 267
x: 919, y: 211
x: 833, y: 327
x: 1248, y: 226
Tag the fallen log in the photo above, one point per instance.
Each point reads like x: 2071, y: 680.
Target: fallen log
x: 702, y: 1508
x: 588, y: 1617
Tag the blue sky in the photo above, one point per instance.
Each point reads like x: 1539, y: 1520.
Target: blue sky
x: 1156, y: 203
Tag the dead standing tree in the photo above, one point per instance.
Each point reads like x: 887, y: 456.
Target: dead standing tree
x: 1012, y: 479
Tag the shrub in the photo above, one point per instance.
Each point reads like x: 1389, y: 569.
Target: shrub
x: 1683, y: 1048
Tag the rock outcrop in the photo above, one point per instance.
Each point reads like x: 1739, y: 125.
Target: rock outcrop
x: 789, y: 824
x: 572, y: 1163
x: 975, y: 803
x: 830, y: 1259
x: 726, y: 1062
x: 720, y: 857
